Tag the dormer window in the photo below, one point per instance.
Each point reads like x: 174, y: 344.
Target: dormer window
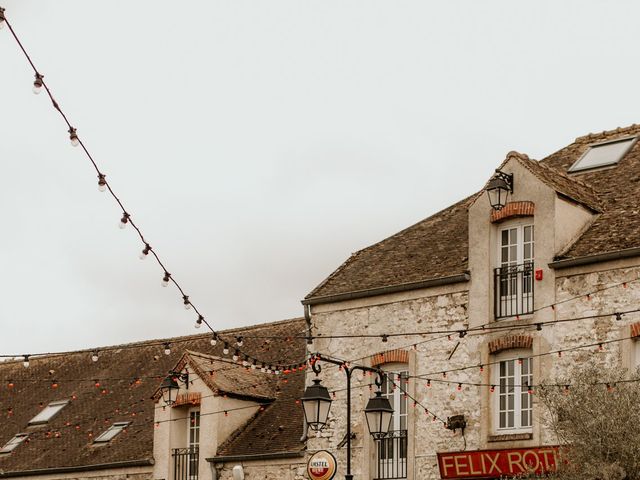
x: 603, y: 154
x: 48, y: 413
x: 12, y: 444
x: 111, y: 432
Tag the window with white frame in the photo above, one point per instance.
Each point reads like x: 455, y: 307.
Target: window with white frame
x: 513, y: 406
x: 12, y: 444
x: 111, y: 432
x: 391, y: 451
x: 48, y: 412
x: 194, y: 443
x: 514, y: 274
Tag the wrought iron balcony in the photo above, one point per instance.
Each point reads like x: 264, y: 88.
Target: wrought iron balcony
x: 185, y: 463
x: 513, y: 290
x: 392, y: 455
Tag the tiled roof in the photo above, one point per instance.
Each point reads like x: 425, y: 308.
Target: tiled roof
x: 66, y: 442
x: 231, y: 379
x: 437, y: 247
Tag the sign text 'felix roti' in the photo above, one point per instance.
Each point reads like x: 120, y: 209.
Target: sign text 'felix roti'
x: 497, y: 463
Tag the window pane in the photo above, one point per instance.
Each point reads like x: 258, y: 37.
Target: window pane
x: 513, y: 236
x: 527, y: 233
x: 505, y: 237
x: 604, y: 154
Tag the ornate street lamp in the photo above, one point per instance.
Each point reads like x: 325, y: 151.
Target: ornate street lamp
x: 378, y: 414
x: 316, y: 402
x: 498, y: 189
x: 170, y: 387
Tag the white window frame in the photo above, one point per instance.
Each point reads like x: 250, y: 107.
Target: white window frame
x: 516, y: 287
x: 48, y: 412
x: 14, y: 443
x: 398, y: 400
x: 110, y: 433
x: 194, y: 413
x: 520, y: 392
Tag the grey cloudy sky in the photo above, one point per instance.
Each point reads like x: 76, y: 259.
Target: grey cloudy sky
x: 259, y: 143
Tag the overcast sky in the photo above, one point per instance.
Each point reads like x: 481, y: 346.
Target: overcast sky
x: 259, y: 143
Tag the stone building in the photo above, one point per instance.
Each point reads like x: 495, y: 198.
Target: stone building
x: 96, y: 414
x: 564, y: 246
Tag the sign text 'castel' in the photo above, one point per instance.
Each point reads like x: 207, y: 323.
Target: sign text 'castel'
x: 497, y: 463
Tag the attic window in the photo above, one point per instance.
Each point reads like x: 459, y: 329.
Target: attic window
x: 603, y: 154
x: 14, y: 442
x: 48, y: 413
x: 111, y: 432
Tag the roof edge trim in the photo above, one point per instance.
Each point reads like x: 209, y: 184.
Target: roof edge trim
x: 596, y: 258
x: 79, y: 468
x: 255, y: 456
x: 403, y: 287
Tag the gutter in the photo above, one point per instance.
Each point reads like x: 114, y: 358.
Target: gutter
x: 256, y: 456
x: 599, y: 257
x: 79, y: 468
x: 434, y: 282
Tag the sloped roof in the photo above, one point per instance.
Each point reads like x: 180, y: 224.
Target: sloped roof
x: 66, y: 442
x: 230, y: 379
x: 437, y: 247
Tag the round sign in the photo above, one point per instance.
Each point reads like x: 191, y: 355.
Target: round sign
x: 322, y: 466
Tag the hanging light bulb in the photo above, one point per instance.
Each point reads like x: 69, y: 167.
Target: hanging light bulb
x: 167, y: 349
x: 225, y: 350
x: 102, y: 183
x: 235, y: 356
x: 186, y: 302
x: 239, y: 341
x: 199, y: 321
x: 245, y: 362
x: 124, y: 220
x: 2, y: 19
x: 214, y: 339
x: 165, y: 279
x: 25, y: 361
x: 37, y: 84
x: 73, y: 137
x: 253, y: 365
x: 145, y: 251
x: 94, y: 356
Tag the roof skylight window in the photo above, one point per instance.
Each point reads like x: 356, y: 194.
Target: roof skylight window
x: 48, y: 413
x: 111, y: 432
x: 603, y: 154
x: 14, y: 442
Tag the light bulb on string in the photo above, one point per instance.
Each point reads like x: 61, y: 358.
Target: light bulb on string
x: 186, y: 302
x: 145, y: 251
x: 167, y: 349
x: 254, y: 365
x: 94, y: 356
x: 25, y: 361
x: 225, y: 350
x: 37, y: 84
x: 214, y: 339
x: 102, y: 183
x: 235, y: 356
x: 199, y: 321
x: 73, y: 137
x: 124, y: 220
x: 239, y: 341
x: 2, y: 19
x: 165, y: 279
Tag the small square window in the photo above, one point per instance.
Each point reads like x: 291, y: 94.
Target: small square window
x: 111, y: 432
x: 603, y: 154
x: 48, y: 413
x: 14, y: 442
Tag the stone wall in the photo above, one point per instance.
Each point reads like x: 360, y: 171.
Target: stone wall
x: 296, y: 470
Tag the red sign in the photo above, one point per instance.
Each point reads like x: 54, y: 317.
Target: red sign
x: 497, y: 463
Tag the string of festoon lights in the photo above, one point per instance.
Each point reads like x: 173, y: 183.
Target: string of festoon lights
x: 147, y: 250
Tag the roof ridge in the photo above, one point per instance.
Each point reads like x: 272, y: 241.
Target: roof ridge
x: 150, y: 342
x: 588, y: 138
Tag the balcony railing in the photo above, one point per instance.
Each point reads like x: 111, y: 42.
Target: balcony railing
x: 392, y: 455
x: 513, y: 290
x: 185, y: 463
